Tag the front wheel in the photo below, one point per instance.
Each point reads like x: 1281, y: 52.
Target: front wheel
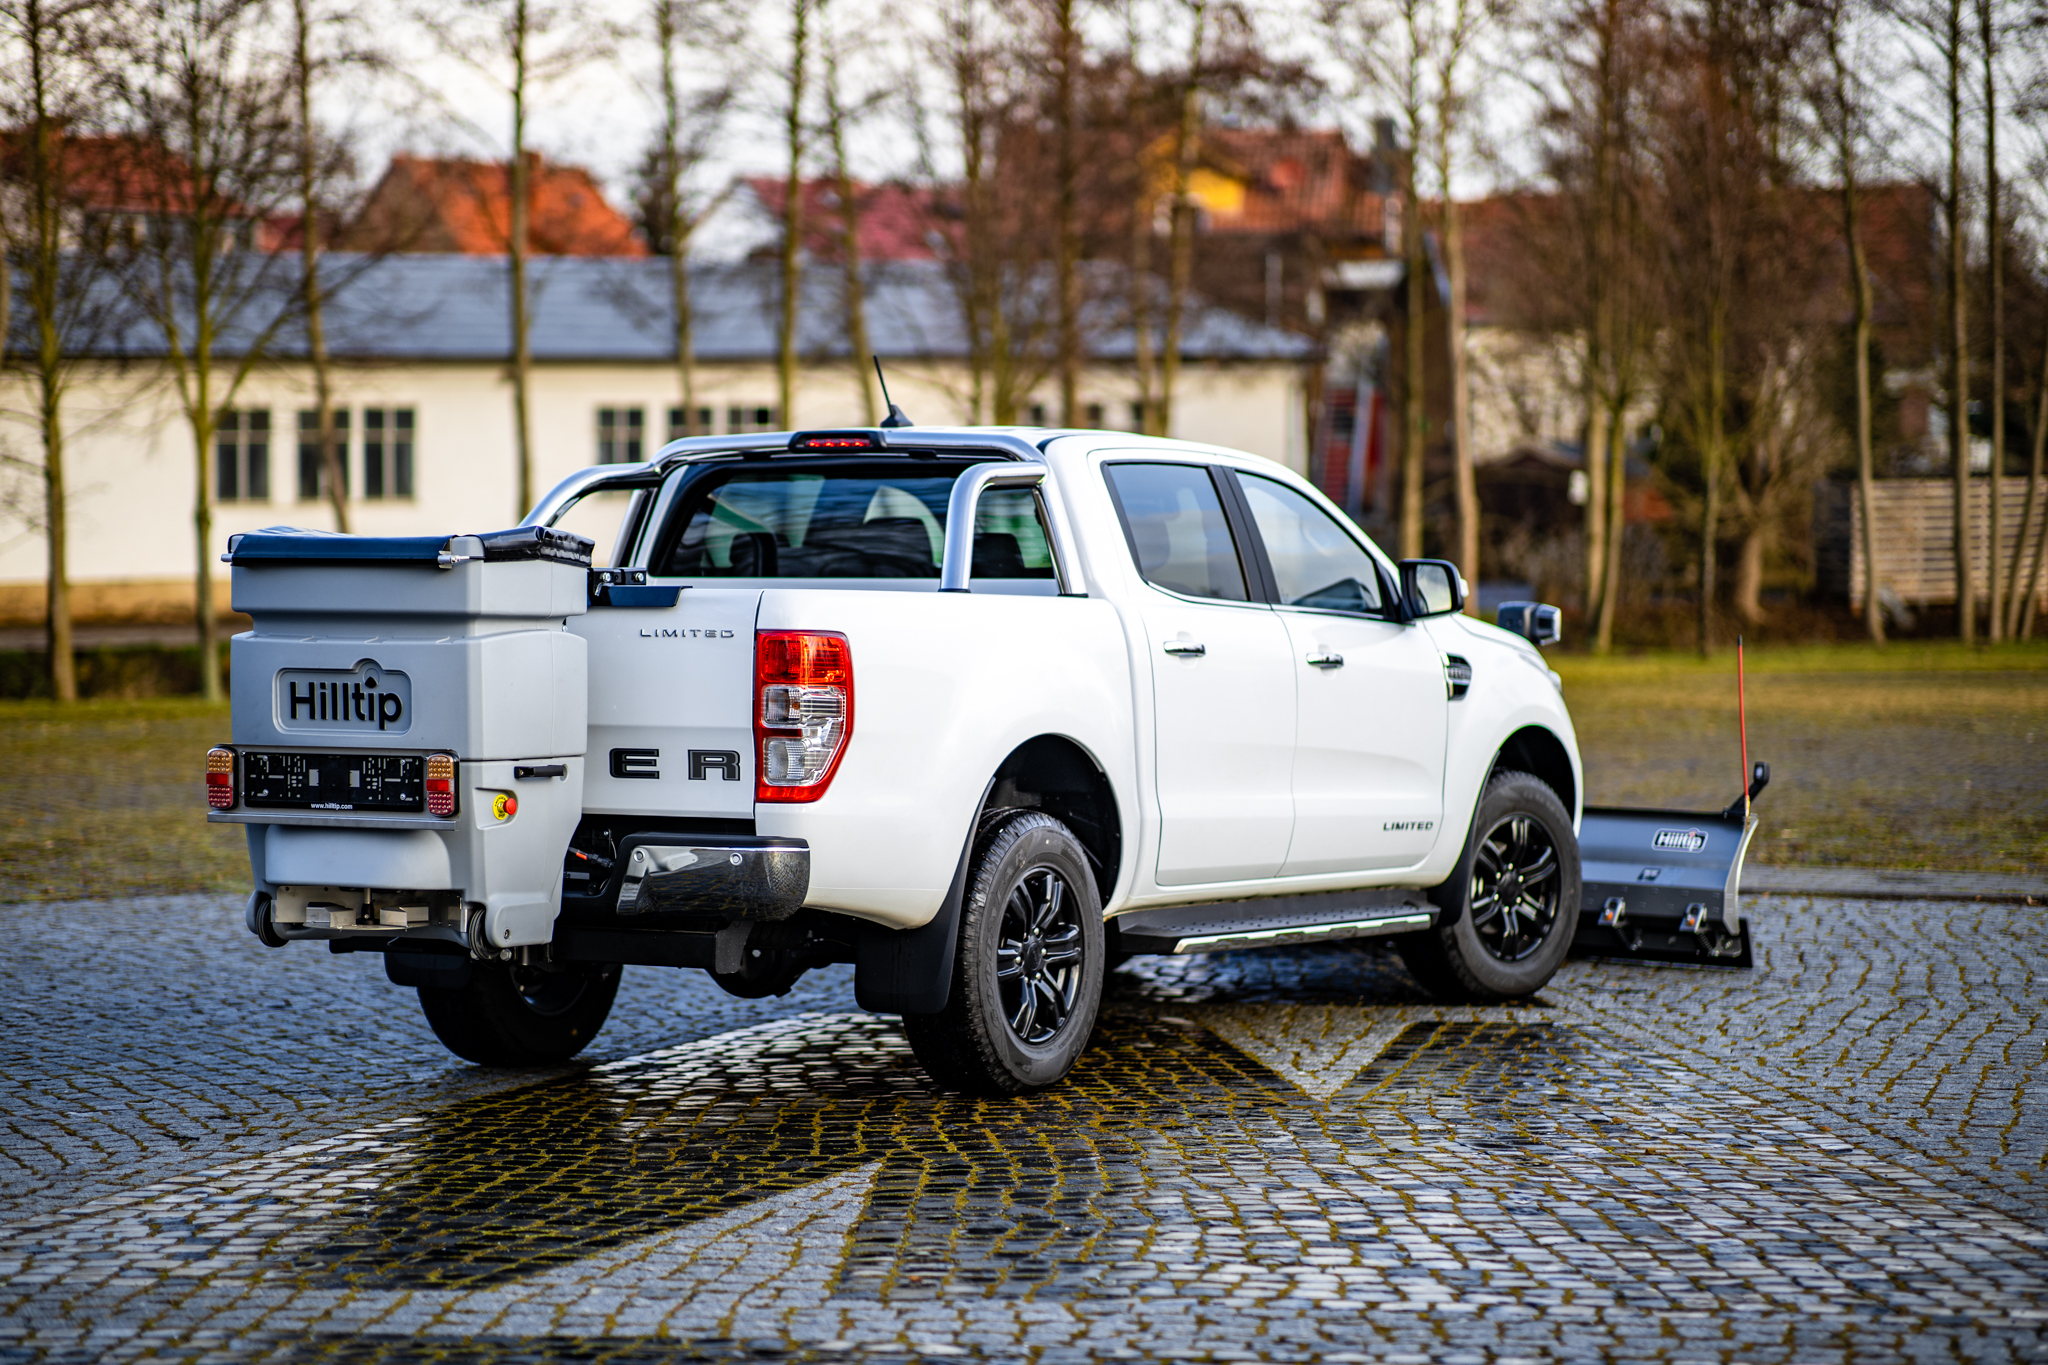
x: 1515, y: 894
x: 1027, y: 973
x: 513, y: 1016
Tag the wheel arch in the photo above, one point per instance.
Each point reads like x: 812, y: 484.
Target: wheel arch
x: 1054, y: 774
x: 1540, y: 753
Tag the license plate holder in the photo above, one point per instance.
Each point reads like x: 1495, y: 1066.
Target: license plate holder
x: 335, y: 782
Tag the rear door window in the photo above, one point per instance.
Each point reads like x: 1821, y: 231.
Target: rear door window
x: 849, y: 521
x: 1173, y: 518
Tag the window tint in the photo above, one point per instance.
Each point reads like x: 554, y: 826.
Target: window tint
x: 1177, y: 529
x: 1316, y: 562
x: 851, y: 522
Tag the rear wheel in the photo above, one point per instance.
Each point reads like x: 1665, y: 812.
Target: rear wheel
x: 1027, y: 973
x: 514, y: 1016
x: 1515, y: 894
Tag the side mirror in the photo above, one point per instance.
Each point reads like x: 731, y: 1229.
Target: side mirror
x: 1431, y: 587
x: 1539, y: 624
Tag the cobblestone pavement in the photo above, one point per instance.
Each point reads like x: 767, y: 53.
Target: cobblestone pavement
x: 215, y: 1152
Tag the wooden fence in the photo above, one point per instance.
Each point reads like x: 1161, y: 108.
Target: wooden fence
x: 1916, y: 555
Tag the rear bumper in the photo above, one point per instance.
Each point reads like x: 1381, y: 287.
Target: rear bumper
x: 730, y: 877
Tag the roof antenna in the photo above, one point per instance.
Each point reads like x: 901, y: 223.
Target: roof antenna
x: 896, y: 417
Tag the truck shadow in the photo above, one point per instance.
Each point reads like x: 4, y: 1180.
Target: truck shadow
x: 1049, y: 1195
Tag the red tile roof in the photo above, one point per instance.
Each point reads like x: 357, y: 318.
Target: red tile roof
x: 897, y: 222
x: 1296, y: 180
x: 447, y: 204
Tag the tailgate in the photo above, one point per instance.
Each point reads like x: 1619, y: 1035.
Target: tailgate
x: 671, y: 706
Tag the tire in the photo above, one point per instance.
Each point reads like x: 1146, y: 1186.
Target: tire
x: 1027, y: 972
x: 1503, y: 946
x: 511, y: 1016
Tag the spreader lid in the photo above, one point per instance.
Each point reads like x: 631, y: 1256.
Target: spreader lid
x: 295, y: 545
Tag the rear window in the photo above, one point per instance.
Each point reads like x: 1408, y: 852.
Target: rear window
x: 859, y: 521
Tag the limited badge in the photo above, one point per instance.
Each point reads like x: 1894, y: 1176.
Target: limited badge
x: 1683, y: 840
x: 504, y: 805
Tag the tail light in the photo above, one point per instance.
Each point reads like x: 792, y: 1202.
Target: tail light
x: 440, y: 784
x: 220, y: 778
x: 804, y: 715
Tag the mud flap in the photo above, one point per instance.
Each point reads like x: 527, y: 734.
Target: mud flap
x: 1664, y: 885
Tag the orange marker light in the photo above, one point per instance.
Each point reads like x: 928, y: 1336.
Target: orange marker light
x: 220, y: 778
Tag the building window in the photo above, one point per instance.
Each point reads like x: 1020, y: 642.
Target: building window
x: 1138, y: 417
x: 678, y: 430
x: 1038, y: 414
x: 739, y: 420
x: 313, y: 469
x: 242, y: 455
x: 621, y: 435
x: 1091, y: 417
x: 387, y: 452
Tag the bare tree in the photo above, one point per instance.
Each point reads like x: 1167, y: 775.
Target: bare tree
x: 1388, y: 43
x: 1463, y: 27
x: 215, y: 157
x: 521, y: 47
x: 796, y: 138
x: 1994, y: 255
x: 52, y: 94
x: 1181, y: 253
x: 671, y: 207
x: 1839, y: 100
x: 321, y: 161
x: 853, y: 299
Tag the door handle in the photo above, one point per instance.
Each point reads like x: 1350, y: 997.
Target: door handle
x: 1185, y: 649
x: 1326, y: 658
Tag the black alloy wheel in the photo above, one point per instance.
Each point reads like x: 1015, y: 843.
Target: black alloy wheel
x: 1028, y: 965
x: 1513, y: 896
x: 1509, y: 909
x: 1038, y: 956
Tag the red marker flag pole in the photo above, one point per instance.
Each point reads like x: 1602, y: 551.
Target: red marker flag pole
x: 1742, y: 723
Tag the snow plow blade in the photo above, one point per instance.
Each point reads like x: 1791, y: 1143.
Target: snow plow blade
x: 1664, y: 885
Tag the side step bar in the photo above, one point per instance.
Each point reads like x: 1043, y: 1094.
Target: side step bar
x: 1273, y: 922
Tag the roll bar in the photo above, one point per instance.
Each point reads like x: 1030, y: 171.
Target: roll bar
x: 963, y: 507
x: 1024, y: 468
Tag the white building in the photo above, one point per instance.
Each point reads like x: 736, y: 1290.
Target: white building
x: 420, y: 345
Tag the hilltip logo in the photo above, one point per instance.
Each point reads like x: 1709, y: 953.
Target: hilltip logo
x: 365, y: 697
x: 1683, y: 840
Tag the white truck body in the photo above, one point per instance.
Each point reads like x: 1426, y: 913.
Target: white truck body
x: 1238, y: 749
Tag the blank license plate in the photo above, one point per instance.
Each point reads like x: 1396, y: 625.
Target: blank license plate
x: 335, y: 781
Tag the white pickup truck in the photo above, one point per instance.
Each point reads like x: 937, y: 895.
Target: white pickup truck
x: 979, y: 711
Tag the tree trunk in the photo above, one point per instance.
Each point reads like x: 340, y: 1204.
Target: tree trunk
x: 1749, y: 573
x: 1959, y: 336
x: 855, y: 298
x: 1067, y: 231
x: 201, y: 416
x: 1866, y: 476
x: 1466, y: 477
x: 331, y: 459
x: 1594, y: 465
x: 1710, y: 513
x: 1415, y: 420
x: 522, y: 352
x: 1141, y: 307
x: 792, y: 216
x: 1617, y: 526
x: 1187, y: 147
x: 678, y: 233
x: 45, y: 191
x: 1994, y: 239
x: 2024, y: 601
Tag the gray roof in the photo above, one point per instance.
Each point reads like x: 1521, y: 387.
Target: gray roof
x: 454, y: 308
